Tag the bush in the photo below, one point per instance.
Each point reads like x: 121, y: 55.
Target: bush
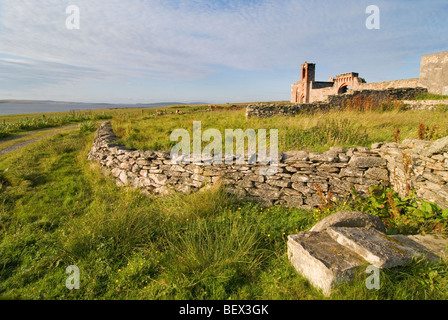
x: 403, y: 215
x: 87, y: 126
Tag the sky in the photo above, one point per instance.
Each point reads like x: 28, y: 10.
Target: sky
x: 147, y: 51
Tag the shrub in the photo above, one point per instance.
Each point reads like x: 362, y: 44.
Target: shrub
x: 87, y: 126
x: 397, y: 135
x: 403, y: 215
x: 428, y: 133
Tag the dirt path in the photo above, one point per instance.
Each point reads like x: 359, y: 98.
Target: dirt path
x: 21, y: 144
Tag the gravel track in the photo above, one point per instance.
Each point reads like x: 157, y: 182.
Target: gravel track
x: 22, y: 144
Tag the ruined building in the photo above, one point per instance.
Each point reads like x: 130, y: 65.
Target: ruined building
x: 433, y: 76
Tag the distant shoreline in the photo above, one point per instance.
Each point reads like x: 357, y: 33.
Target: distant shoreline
x: 17, y: 107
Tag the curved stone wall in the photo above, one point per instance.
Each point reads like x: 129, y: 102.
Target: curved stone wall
x: 303, y: 179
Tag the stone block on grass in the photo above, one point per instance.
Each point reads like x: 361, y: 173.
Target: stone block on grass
x: 374, y: 246
x: 351, y: 219
x: 322, y: 260
x: 342, y: 242
x: 431, y: 247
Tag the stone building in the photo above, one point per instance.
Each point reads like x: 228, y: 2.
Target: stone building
x: 434, y: 73
x: 433, y: 76
x: 309, y: 90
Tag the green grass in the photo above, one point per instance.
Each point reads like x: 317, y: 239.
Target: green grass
x: 85, y: 113
x: 56, y: 210
x: 21, y: 125
x: 431, y: 96
x: 308, y: 131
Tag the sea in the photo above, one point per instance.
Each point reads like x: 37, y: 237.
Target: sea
x: 28, y: 107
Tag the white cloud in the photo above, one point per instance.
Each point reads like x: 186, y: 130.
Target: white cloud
x: 148, y: 37
x: 187, y: 40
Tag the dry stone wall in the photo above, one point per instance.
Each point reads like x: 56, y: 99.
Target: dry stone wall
x: 420, y: 166
x: 425, y: 104
x: 405, y: 83
x: 302, y: 180
x: 263, y: 110
x: 390, y: 94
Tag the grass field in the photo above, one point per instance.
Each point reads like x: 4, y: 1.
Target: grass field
x: 11, y: 126
x: 431, y: 96
x: 57, y: 210
x: 309, y: 131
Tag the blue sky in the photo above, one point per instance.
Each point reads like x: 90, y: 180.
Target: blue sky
x: 142, y: 51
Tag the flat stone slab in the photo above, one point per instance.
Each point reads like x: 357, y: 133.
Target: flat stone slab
x: 431, y: 247
x: 375, y: 247
x: 322, y: 260
x: 336, y: 246
x: 350, y: 219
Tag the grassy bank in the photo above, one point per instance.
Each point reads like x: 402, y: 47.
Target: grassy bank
x: 431, y: 96
x: 56, y: 210
x: 308, y: 131
x: 25, y: 124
